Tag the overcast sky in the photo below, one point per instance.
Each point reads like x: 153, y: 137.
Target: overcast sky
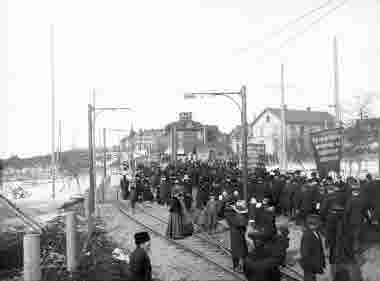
x: 146, y: 54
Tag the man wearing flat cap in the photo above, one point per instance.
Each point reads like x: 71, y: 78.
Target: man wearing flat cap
x: 139, y: 261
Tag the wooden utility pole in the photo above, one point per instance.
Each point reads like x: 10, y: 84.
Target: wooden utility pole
x: 91, y: 194
x: 336, y: 85
x: 244, y: 135
x: 59, y: 141
x: 52, y: 109
x: 93, y: 134
x: 284, y: 160
x: 104, y: 163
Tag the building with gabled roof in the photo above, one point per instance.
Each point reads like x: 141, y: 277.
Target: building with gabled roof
x: 266, y: 128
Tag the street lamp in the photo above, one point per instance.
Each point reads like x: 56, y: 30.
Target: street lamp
x: 91, y: 129
x: 243, y: 111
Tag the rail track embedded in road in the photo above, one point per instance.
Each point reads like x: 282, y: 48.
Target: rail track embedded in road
x: 287, y: 272
x: 192, y: 245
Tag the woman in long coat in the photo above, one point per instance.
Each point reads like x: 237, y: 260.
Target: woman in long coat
x: 175, y: 228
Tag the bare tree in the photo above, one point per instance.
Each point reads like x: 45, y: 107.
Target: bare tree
x: 360, y: 107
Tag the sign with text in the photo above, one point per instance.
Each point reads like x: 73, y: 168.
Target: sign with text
x: 327, y: 146
x: 256, y: 155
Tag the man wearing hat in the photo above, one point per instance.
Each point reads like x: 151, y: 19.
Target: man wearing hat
x: 262, y: 263
x: 164, y: 191
x: 237, y: 219
x: 312, y: 254
x: 332, y: 213
x: 309, y: 196
x: 354, y: 214
x: 139, y: 261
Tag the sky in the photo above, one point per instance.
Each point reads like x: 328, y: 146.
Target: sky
x: 147, y: 54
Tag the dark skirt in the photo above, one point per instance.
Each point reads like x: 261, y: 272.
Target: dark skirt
x: 175, y: 228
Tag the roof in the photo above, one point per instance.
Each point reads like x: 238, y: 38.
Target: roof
x: 293, y: 116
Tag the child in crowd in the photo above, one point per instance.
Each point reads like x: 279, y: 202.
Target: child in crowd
x: 211, y: 214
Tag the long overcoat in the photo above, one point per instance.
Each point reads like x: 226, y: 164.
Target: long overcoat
x: 262, y: 264
x: 238, y: 226
x: 312, y: 255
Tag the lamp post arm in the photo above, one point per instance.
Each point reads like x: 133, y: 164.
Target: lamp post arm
x: 233, y: 100
x: 99, y: 110
x: 227, y: 95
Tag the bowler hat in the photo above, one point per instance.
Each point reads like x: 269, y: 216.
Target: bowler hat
x: 141, y: 237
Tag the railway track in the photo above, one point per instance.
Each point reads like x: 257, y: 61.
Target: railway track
x: 192, y: 245
x: 288, y: 273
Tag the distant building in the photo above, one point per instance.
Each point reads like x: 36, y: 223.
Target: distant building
x: 266, y: 128
x: 190, y: 138
x: 143, y: 141
x: 191, y: 134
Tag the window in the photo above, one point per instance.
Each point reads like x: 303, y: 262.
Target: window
x: 268, y: 118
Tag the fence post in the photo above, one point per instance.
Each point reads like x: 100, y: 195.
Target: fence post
x: 32, y: 264
x: 71, y: 241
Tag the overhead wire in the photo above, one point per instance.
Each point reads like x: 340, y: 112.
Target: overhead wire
x: 303, y: 31
x: 285, y: 26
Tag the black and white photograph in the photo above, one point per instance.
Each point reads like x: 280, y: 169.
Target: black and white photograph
x: 189, y: 140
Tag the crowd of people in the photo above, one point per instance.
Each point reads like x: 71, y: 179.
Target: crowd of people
x: 202, y: 193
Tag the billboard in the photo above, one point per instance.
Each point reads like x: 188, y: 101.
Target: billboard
x: 327, y: 145
x: 256, y: 155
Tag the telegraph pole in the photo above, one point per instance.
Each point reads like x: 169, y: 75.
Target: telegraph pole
x: 104, y: 163
x: 91, y: 194
x: 94, y: 134
x: 284, y: 160
x: 52, y: 109
x: 59, y: 141
x: 243, y: 93
x: 336, y: 85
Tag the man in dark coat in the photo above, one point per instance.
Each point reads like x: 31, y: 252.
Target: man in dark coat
x: 266, y: 217
x: 312, y: 254
x: 354, y: 215
x: 262, y: 264
x: 277, y: 188
x: 139, y: 261
x: 309, y: 197
x: 237, y: 220
x: 286, y: 197
x: 164, y: 191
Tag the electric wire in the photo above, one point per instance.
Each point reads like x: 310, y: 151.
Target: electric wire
x: 284, y: 27
x: 303, y: 31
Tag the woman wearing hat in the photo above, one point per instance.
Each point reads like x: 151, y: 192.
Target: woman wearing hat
x: 139, y: 261
x: 175, y: 228
x: 237, y: 218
